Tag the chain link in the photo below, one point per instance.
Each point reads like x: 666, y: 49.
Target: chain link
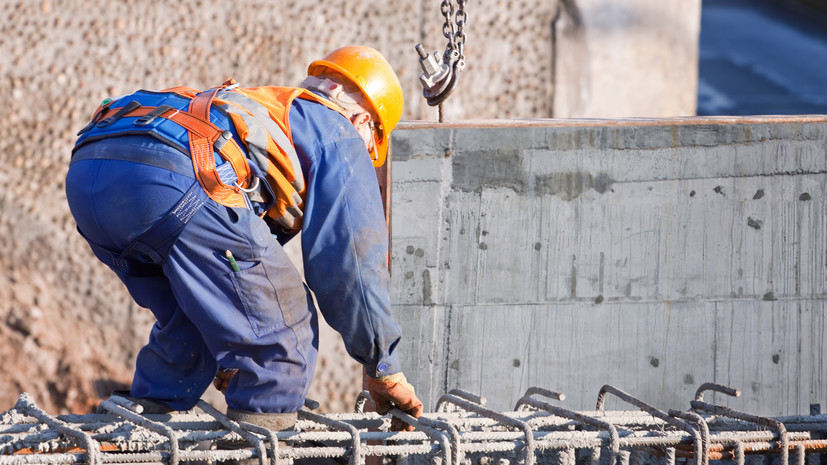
x: 454, y: 29
x: 461, y: 20
x: 448, y: 28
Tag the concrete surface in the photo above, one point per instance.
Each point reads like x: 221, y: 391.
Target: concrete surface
x: 653, y: 255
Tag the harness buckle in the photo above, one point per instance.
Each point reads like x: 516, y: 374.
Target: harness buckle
x: 150, y: 117
x: 133, y: 105
x: 222, y: 139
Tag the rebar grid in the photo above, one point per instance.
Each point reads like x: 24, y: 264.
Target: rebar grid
x: 463, y: 431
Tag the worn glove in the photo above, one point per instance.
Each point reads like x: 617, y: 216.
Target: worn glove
x: 223, y: 377
x: 394, y: 391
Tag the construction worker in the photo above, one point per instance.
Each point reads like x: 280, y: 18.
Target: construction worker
x: 188, y: 197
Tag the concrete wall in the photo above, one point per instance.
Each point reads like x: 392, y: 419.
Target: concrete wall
x: 653, y: 255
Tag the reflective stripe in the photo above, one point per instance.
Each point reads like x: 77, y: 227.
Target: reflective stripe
x: 256, y: 139
x: 288, y: 221
x: 261, y: 118
x: 297, y: 200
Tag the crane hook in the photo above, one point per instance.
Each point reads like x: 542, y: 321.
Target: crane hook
x: 439, y: 77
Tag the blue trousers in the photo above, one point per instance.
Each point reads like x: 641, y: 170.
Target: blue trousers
x: 137, y: 204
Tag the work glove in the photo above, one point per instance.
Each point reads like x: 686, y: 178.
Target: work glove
x: 394, y: 391
x: 222, y: 378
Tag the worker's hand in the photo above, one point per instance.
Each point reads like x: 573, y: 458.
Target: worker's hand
x: 223, y: 377
x: 394, y: 391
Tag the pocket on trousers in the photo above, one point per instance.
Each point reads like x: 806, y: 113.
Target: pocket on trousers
x: 270, y: 304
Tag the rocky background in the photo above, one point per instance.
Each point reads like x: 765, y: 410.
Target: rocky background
x: 68, y: 330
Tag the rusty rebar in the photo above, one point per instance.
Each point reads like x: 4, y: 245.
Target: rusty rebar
x: 26, y: 405
x: 356, y: 455
x: 528, y: 449
x: 443, y: 402
x: 768, y: 422
x: 703, y: 429
x: 450, y: 452
x: 614, y: 446
x: 730, y: 391
x: 609, y: 389
x: 537, y: 432
x: 117, y: 405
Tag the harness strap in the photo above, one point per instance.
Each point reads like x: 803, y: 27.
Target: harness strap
x: 150, y: 117
x: 201, y: 149
x: 174, y: 161
x: 183, y: 91
x: 203, y: 135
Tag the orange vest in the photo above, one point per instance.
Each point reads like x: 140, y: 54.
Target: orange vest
x: 260, y: 117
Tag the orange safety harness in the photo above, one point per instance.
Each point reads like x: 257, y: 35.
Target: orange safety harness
x: 282, y: 172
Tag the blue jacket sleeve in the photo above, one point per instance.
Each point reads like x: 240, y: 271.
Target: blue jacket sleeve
x: 344, y: 236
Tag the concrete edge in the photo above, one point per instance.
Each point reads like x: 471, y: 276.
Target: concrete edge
x: 623, y: 122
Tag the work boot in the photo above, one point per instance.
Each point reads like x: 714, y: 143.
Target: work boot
x: 147, y: 406
x: 271, y: 421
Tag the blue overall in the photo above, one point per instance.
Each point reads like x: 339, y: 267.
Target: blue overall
x: 136, y: 202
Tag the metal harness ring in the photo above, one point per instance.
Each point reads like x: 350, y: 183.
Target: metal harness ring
x: 250, y: 190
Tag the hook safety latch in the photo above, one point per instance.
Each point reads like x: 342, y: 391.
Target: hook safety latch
x: 439, y: 76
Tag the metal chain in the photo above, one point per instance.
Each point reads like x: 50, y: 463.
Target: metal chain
x: 454, y: 30
x: 448, y: 29
x: 461, y: 20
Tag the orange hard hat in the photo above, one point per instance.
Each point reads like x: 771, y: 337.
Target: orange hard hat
x: 368, y: 70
